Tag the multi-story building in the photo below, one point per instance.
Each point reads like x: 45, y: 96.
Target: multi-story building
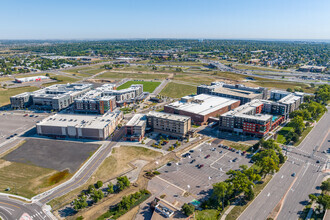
x: 80, y: 126
x: 169, y: 124
x: 95, y: 102
x: 201, y: 107
x: 240, y: 92
x: 135, y: 128
x: 54, y: 97
x: 126, y: 95
x: 255, y: 118
x: 292, y: 101
x: 21, y: 101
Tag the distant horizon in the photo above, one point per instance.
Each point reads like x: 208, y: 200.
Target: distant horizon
x: 110, y: 39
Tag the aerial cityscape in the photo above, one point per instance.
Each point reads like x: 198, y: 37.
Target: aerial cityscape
x: 165, y: 110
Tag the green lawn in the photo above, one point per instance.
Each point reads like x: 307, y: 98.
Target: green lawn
x: 198, y: 79
x: 120, y: 75
x: 5, y: 94
x: 147, y: 85
x: 282, y: 133
x: 176, y: 90
x: 207, y: 214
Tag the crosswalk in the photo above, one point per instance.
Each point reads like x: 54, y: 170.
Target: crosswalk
x: 293, y: 158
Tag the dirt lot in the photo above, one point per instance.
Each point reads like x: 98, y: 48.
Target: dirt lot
x: 52, y: 154
x: 23, y: 179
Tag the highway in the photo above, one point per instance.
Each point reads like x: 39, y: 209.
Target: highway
x: 285, y: 196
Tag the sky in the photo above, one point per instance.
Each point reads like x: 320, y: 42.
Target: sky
x: 208, y: 19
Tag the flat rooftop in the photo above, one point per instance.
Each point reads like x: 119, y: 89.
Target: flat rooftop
x: 137, y: 120
x: 244, y: 110
x: 169, y: 116
x: 289, y: 99
x: 236, y: 92
x: 80, y: 121
x: 202, y: 104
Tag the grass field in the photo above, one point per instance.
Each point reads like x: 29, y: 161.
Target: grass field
x: 120, y: 75
x: 111, y: 167
x: 198, y: 79
x: 5, y: 79
x: 207, y: 214
x: 25, y: 180
x: 176, y: 90
x: 61, y: 80
x: 248, y: 67
x: 6, y: 93
x: 147, y: 85
x: 285, y: 85
x: 282, y: 133
x: 237, y: 146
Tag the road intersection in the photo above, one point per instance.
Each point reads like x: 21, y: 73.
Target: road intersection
x: 285, y: 195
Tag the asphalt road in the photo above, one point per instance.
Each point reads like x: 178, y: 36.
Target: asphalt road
x: 11, y: 209
x: 83, y: 174
x: 288, y: 193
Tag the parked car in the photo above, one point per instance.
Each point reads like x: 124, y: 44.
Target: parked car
x: 25, y: 115
x: 200, y: 166
x: 294, y: 174
x: 191, y: 151
x: 207, y: 156
x: 192, y: 161
x: 169, y: 164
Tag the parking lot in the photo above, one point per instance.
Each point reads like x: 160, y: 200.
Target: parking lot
x: 203, y: 166
x: 13, y: 124
x: 52, y: 154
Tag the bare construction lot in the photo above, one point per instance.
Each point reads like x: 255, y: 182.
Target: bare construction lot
x: 206, y: 165
x: 52, y: 154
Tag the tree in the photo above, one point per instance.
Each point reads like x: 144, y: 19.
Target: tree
x: 97, y: 195
x: 289, y: 90
x: 80, y: 203
x: 297, y: 123
x: 219, y: 192
x: 325, y: 185
x: 91, y: 188
x: 249, y: 194
x: 110, y: 188
x: 122, y: 183
x: 312, y: 197
x: 188, y: 209
x: 99, y: 184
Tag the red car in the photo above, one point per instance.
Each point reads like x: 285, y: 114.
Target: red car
x: 200, y: 166
x: 25, y: 115
x: 207, y: 156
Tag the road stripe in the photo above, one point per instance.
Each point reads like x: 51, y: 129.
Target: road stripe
x: 10, y: 204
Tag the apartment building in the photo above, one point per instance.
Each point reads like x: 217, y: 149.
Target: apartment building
x: 55, y: 97
x: 169, y: 124
x: 255, y: 118
x: 135, y: 128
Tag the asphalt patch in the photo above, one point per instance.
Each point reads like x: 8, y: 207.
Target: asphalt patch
x: 53, y: 154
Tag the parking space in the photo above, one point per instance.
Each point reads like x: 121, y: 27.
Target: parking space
x: 13, y: 124
x: 203, y: 166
